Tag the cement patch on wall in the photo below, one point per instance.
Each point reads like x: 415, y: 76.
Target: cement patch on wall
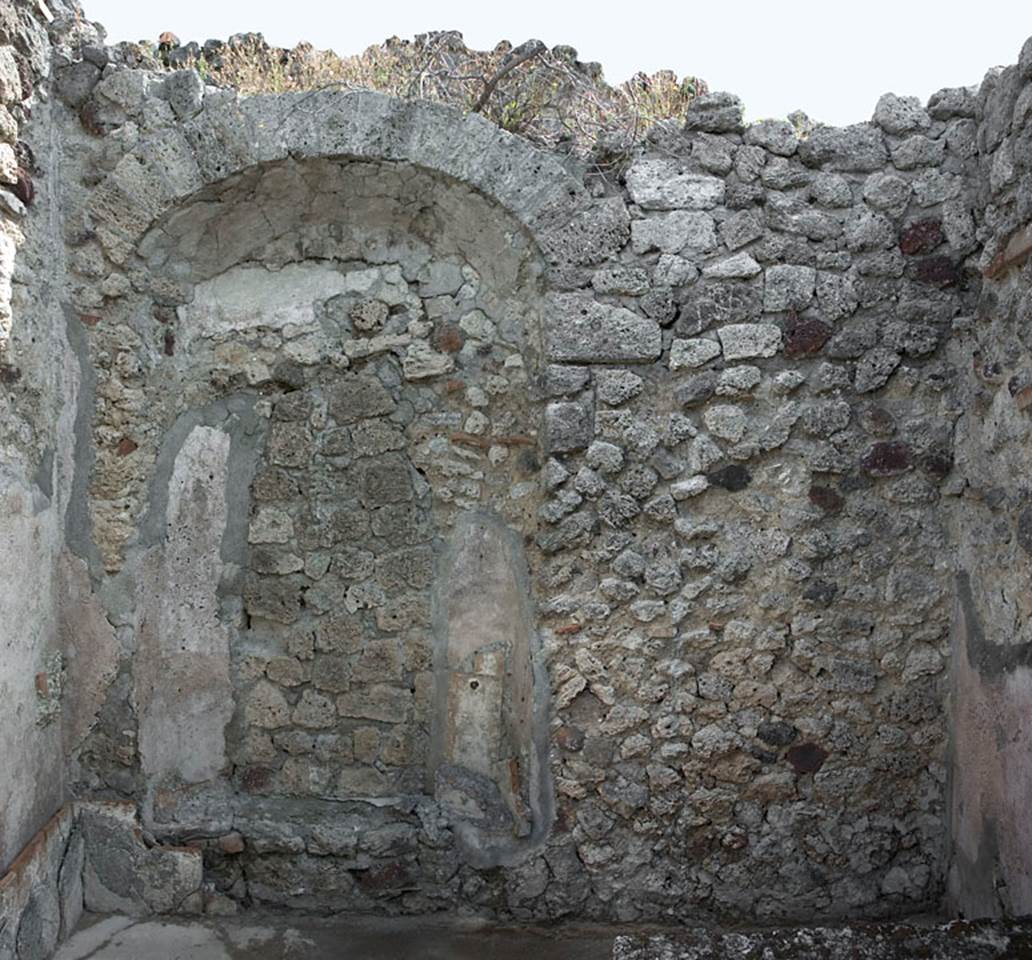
x: 249, y: 296
x: 183, y: 690
x: 32, y: 782
x: 490, y: 708
x: 991, y: 871
x: 91, y: 651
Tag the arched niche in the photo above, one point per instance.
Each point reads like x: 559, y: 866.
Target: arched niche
x: 354, y: 345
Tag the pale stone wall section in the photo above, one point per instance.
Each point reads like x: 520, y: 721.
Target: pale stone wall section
x: 183, y: 692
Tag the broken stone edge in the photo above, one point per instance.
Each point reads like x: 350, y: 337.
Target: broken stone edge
x: 68, y: 866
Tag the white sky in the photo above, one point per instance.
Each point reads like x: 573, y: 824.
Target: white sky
x: 831, y: 59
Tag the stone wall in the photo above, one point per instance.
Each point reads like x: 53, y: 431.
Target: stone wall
x: 37, y: 375
x: 433, y: 504
x: 708, y: 402
x: 41, y: 895
x: 991, y: 525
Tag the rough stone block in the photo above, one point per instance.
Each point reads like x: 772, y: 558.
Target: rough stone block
x: 898, y: 115
x: 740, y: 266
x: 123, y: 875
x: 578, y: 329
x: 709, y: 304
x: 185, y: 92
x: 590, y: 235
x: 692, y: 353
x: 73, y: 83
x: 859, y: 148
x: 614, y: 387
x: 675, y: 232
x: 741, y: 228
x: 740, y: 341
x: 658, y: 185
x: 716, y: 112
x: 788, y: 287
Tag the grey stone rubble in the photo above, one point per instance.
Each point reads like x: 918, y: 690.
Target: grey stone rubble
x: 402, y: 519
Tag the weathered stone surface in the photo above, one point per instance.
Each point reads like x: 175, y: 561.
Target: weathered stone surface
x: 898, y: 115
x: 918, y: 151
x: 715, y: 113
x: 922, y: 236
x: 741, y: 341
x: 421, y: 362
x: 788, y: 287
x: 874, y: 369
x: 658, y: 185
x: 741, y: 228
x: 952, y: 102
x: 859, y: 148
x: 805, y: 337
x: 777, y: 136
x: 590, y: 235
x: 739, y: 266
x: 831, y: 190
x: 725, y: 421
x: 578, y: 329
x: 680, y: 231
x: 1017, y: 249
x: 185, y: 91
x: 615, y: 387
x: 74, y: 83
x: 560, y: 380
x: 568, y: 426
x: 887, y: 191
x: 711, y: 304
x: 940, y: 271
x: 886, y: 458
x: 406, y: 324
x: 692, y: 353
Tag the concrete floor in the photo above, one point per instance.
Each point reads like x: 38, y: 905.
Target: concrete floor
x: 273, y: 938
x: 283, y: 937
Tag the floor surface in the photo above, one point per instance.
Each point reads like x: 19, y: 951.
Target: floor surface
x: 262, y: 936
x: 122, y: 938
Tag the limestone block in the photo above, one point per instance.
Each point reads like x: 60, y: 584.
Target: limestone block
x: 788, y: 287
x: 740, y: 341
x: 675, y: 232
x: 578, y: 329
x: 692, y: 352
x: 658, y: 185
